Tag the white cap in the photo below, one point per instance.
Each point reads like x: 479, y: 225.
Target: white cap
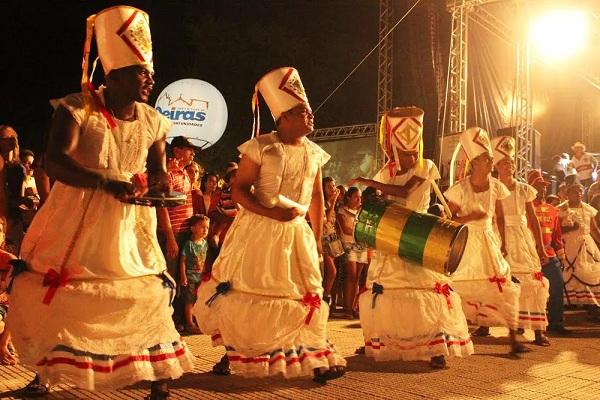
x: 503, y: 147
x: 475, y: 141
x: 123, y: 38
x: 282, y: 90
x: 404, y: 128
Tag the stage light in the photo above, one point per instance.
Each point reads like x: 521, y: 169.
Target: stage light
x: 559, y: 34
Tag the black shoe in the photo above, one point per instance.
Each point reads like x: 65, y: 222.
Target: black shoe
x: 222, y: 367
x: 559, y: 331
x: 35, y: 389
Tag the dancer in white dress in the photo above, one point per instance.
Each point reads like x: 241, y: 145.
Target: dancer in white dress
x: 582, y: 270
x: 432, y: 324
x: 93, y: 307
x: 483, y: 278
x: 264, y: 299
x: 524, y: 249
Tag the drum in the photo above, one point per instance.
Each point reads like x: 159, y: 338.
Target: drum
x: 172, y: 199
x: 435, y: 243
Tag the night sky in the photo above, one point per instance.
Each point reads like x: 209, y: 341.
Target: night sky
x: 228, y: 43
x: 232, y: 43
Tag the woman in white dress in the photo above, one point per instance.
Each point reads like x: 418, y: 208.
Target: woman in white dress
x: 582, y: 270
x: 410, y: 311
x: 523, y: 248
x: 483, y: 277
x: 263, y: 302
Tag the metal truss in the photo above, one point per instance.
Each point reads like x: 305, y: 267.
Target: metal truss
x: 522, y: 112
x: 343, y: 132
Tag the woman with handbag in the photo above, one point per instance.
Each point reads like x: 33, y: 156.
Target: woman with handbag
x: 332, y: 245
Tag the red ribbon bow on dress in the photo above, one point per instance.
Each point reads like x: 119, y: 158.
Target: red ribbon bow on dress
x: 54, y: 280
x: 443, y: 289
x: 313, y: 301
x: 540, y: 277
x: 498, y: 281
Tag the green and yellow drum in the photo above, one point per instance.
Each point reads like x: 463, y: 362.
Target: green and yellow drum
x: 433, y: 242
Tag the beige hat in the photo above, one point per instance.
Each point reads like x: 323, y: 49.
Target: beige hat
x: 401, y: 130
x: 282, y: 90
x: 578, y: 144
x: 122, y: 38
x: 475, y: 141
x: 503, y: 147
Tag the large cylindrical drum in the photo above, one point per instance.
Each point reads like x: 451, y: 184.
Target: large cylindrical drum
x: 433, y: 242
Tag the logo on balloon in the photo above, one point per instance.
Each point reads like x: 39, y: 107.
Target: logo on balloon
x: 197, y: 110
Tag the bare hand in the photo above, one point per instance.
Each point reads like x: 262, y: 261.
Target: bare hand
x: 184, y: 281
x: 503, y: 251
x: 8, y: 358
x: 121, y: 190
x: 477, y: 215
x: 158, y: 182
x: 284, y: 214
x: 320, y: 248
x: 172, y: 249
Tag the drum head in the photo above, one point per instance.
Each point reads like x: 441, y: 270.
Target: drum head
x: 457, y: 249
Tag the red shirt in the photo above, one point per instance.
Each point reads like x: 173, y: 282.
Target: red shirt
x: 547, y: 215
x: 180, y: 182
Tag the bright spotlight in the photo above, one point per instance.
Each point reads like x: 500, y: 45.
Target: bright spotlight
x: 559, y: 34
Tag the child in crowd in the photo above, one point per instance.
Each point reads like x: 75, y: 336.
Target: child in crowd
x: 193, y: 255
x: 356, y: 253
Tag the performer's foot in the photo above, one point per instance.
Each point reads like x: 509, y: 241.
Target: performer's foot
x: 158, y: 391
x: 360, y: 350
x: 35, y: 389
x: 222, y: 367
x: 519, y: 348
x: 520, y: 331
x: 438, y: 362
x: 481, y: 331
x: 323, y: 375
x: 541, y: 340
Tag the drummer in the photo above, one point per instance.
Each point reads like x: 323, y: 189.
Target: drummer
x: 432, y: 324
x: 483, y: 279
x: 524, y: 249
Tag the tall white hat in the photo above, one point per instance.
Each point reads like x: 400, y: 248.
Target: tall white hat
x: 401, y: 130
x: 475, y: 141
x: 282, y: 90
x: 503, y: 147
x: 122, y: 38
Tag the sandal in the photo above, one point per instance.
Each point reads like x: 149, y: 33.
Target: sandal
x: 482, y: 331
x: 35, y: 389
x: 519, y: 348
x: 438, y: 362
x: 222, y: 367
x: 541, y: 340
x: 334, y: 372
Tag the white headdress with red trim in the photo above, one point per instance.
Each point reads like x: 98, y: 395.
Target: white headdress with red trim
x: 401, y: 130
x: 122, y: 38
x: 503, y: 147
x: 282, y: 90
x: 474, y: 141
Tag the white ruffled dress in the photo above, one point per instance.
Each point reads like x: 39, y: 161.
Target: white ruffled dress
x: 523, y: 259
x: 410, y: 312
x: 93, y: 308
x: 483, y: 277
x: 269, y: 314
x: 582, y: 270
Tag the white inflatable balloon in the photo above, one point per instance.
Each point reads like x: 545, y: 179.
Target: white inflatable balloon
x: 197, y: 110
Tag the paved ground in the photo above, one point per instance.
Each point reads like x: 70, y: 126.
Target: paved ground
x: 569, y: 369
